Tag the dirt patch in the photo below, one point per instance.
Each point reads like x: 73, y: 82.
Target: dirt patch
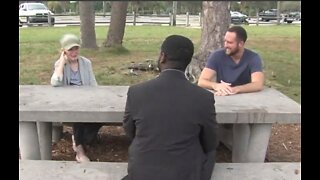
x: 284, y: 145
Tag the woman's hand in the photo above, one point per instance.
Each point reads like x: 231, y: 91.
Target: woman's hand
x: 63, y: 57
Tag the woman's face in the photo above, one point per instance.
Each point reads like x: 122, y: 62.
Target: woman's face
x: 73, y: 53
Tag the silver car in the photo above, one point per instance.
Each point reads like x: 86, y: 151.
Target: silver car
x: 34, y: 13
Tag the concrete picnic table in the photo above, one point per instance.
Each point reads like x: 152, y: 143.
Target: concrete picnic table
x: 252, y: 116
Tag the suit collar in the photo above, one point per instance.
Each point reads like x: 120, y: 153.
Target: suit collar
x: 173, y: 72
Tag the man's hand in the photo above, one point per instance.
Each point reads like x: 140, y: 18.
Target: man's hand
x: 223, y: 89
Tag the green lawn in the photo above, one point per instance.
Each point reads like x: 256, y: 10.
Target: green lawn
x: 279, y: 47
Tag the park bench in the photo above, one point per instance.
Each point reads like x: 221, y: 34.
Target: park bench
x: 40, y: 105
x: 66, y: 170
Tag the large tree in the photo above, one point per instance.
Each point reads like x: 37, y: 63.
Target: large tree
x: 87, y: 24
x: 216, y: 21
x: 117, y: 24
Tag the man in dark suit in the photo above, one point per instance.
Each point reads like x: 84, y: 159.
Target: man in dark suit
x: 171, y: 122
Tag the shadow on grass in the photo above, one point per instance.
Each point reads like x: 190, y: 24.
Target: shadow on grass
x: 115, y: 50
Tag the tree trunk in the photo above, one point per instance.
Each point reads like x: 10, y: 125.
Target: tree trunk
x: 87, y: 25
x: 216, y: 21
x: 117, y: 24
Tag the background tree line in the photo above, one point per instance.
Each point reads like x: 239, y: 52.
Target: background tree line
x: 165, y: 7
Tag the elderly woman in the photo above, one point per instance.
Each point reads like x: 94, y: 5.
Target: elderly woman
x: 71, y: 69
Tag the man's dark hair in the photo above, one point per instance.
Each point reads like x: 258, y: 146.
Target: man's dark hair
x: 178, y: 51
x: 241, y: 33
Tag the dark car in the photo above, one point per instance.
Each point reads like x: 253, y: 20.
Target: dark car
x: 268, y: 15
x: 292, y: 16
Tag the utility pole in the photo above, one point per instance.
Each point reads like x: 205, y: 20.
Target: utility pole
x: 278, y: 12
x: 104, y: 8
x: 174, y: 12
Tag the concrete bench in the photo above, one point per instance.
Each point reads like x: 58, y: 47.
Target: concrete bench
x: 66, y: 170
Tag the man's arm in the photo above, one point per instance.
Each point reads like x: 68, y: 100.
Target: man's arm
x: 128, y: 123
x: 209, y: 129
x: 257, y: 83
x: 205, y: 81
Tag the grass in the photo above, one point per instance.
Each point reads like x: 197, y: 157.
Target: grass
x: 279, y: 47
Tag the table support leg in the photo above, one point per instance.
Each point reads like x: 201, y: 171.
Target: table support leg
x: 258, y: 143
x: 28, y: 141
x: 241, y: 134
x: 250, y: 142
x: 225, y: 135
x: 45, y: 139
x: 57, y: 131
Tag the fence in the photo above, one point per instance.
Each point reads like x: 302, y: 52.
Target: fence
x: 134, y: 19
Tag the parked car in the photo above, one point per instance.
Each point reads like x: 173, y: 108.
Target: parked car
x: 34, y: 13
x: 238, y: 18
x: 288, y: 18
x: 268, y: 15
x: 292, y: 16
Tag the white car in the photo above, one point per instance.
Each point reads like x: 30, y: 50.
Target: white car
x: 237, y: 17
x: 34, y: 13
x: 236, y: 13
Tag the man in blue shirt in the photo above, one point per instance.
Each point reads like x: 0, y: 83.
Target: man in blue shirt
x: 236, y: 69
x: 232, y: 70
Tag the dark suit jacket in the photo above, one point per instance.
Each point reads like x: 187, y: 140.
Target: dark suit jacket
x: 172, y: 125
